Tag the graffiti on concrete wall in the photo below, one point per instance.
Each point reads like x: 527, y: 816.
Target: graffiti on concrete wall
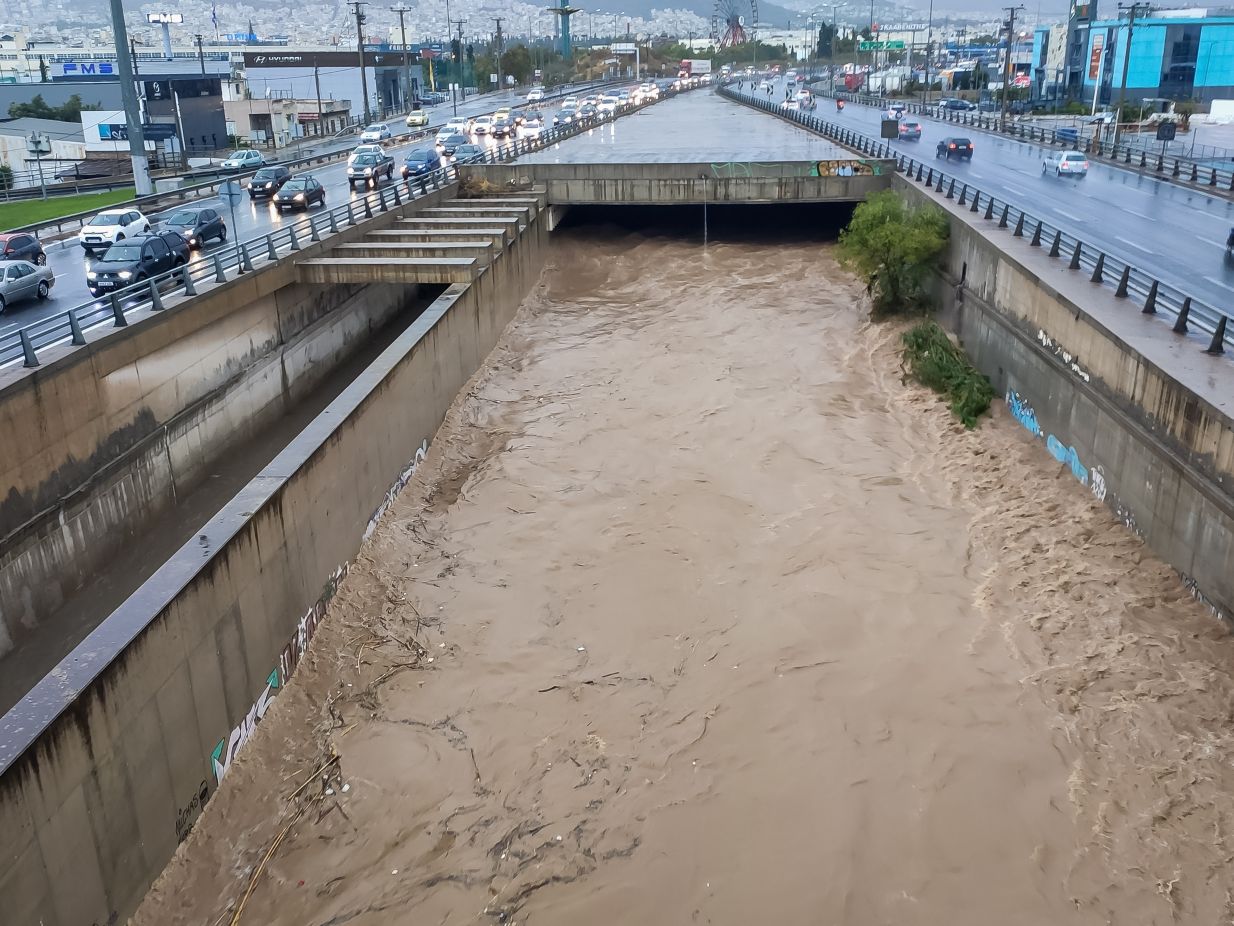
x: 1022, y: 412
x: 226, y: 749
x: 847, y: 168
x: 1068, y: 457
x: 187, y: 815
x: 394, y: 490
x: 1072, y: 361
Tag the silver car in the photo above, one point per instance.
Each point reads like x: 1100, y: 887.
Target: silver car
x: 20, y: 279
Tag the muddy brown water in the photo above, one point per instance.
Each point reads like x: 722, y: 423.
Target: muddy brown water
x: 697, y: 613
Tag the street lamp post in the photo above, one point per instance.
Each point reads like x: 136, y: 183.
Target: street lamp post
x: 1132, y: 10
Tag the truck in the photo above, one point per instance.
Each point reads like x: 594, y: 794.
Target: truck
x: 694, y: 67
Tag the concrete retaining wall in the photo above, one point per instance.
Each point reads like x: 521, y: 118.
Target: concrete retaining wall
x: 96, y: 788
x: 1138, y: 414
x: 678, y: 184
x: 99, y: 436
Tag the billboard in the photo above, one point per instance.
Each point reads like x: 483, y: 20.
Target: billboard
x: 1094, y: 60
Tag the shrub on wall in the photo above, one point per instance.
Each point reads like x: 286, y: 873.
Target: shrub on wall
x: 894, y: 248
x: 934, y: 361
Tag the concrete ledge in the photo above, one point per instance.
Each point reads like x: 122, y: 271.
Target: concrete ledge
x: 677, y: 184
x: 482, y: 250
x: 337, y: 270
x: 498, y: 236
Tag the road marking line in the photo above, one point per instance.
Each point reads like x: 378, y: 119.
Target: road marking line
x: 1138, y: 247
x: 1221, y: 283
x: 1074, y: 218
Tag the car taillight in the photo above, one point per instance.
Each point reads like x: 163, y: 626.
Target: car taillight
x: 1086, y: 165
x: 952, y: 145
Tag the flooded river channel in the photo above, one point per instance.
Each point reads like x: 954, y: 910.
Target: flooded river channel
x: 697, y: 613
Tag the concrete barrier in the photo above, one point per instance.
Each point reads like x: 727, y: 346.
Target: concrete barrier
x: 681, y: 184
x: 1138, y: 414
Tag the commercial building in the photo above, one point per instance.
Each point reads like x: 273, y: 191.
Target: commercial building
x: 1174, y: 54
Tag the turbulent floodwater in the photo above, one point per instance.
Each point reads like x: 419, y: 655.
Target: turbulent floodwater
x: 697, y: 613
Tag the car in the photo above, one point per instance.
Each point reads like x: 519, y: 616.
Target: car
x: 456, y: 127
x: 22, y: 246
x: 570, y: 102
x: 955, y: 105
x: 370, y: 167
x: 532, y: 128
x: 178, y: 246
x: 451, y: 143
x: 243, y: 159
x: 22, y: 279
x: 300, y: 192
x: 196, y: 226
x: 130, y: 262
x: 468, y: 151
x: 417, y: 118
x: 765, y: 86
x: 364, y: 149
x: 1101, y: 118
x: 503, y: 113
x: 565, y: 116
x: 502, y: 127
x: 1071, y: 163
x: 110, y: 226
x: 377, y: 132
x: 790, y: 105
x: 519, y: 116
x: 910, y: 129
x: 482, y: 125
x: 421, y: 161
x: 587, y: 113
x: 790, y: 74
x: 954, y: 148
x: 650, y: 91
x: 896, y: 110
x: 266, y: 182
x: 608, y: 104
x: 623, y: 96
x: 535, y: 95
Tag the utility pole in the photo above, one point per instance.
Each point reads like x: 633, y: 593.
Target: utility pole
x: 462, y: 88
x: 1011, y: 11
x: 201, y: 53
x: 1122, y: 89
x: 357, y: 7
x: 500, y: 86
x: 402, y: 25
x: 128, y: 93
x: 133, y: 52
x: 929, y: 51
x: 321, y: 125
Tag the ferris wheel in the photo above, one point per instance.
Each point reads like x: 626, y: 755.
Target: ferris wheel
x: 733, y: 21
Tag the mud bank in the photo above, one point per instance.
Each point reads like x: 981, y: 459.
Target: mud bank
x: 697, y: 612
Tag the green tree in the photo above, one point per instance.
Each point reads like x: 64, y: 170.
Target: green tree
x: 894, y: 249
x: 6, y: 177
x: 37, y: 108
x: 516, y: 62
x: 826, y: 40
x: 42, y: 70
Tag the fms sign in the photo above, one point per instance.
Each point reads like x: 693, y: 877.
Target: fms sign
x: 79, y: 69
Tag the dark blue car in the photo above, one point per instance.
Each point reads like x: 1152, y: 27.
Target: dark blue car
x: 421, y: 161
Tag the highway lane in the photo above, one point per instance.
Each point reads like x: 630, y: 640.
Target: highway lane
x: 1177, y: 234
x: 70, y: 263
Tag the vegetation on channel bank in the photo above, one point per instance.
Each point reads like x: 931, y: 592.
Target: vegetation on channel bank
x: 895, y: 248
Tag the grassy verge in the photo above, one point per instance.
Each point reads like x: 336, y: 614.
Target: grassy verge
x: 931, y: 359
x: 27, y: 212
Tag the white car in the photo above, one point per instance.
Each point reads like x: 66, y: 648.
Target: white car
x: 607, y: 105
x: 363, y: 149
x: 244, y: 159
x: 1071, y: 163
x: 532, y: 128
x: 110, y: 226
x: 376, y: 132
x: 455, y: 127
x: 535, y: 95
x: 482, y: 125
x: 570, y: 102
x: 650, y: 91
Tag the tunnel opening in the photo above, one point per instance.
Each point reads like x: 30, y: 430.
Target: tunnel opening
x: 738, y: 223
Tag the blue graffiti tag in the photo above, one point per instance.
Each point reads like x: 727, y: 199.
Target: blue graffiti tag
x: 1068, y: 457
x: 1022, y: 412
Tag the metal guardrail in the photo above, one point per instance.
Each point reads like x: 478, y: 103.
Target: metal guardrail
x: 75, y: 220
x: 120, y: 308
x: 1130, y: 154
x: 1126, y: 279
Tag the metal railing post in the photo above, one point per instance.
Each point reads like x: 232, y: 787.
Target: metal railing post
x: 117, y: 312
x: 1216, y: 347
x: 1121, y: 291
x: 79, y: 337
x: 27, y: 350
x: 156, y: 298
x: 1150, y: 303
x: 1097, y: 276
x: 246, y: 265
x: 271, y: 251
x: 1180, y: 323
x: 291, y: 234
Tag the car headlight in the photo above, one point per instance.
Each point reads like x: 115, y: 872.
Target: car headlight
x: 192, y: 241
x: 92, y: 275
x: 125, y: 274
x: 299, y: 197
